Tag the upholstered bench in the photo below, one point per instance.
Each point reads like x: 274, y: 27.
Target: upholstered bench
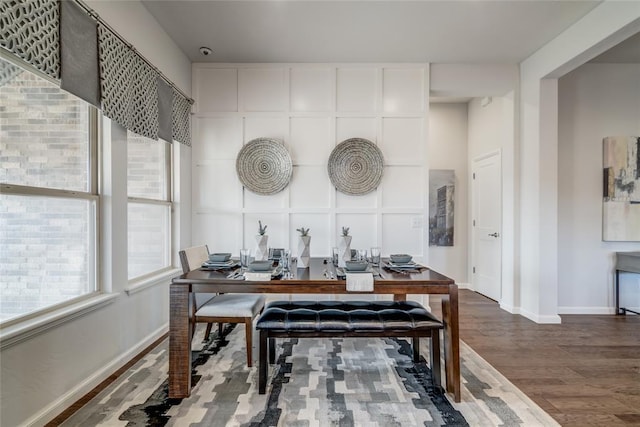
x: 330, y: 319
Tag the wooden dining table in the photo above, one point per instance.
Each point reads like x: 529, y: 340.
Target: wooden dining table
x: 319, y: 278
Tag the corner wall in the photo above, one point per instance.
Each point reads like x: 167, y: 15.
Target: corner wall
x: 537, y: 269
x: 45, y: 370
x: 595, y: 101
x: 492, y: 128
x: 448, y: 150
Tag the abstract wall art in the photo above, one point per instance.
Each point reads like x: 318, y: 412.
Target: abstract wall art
x: 621, y: 189
x: 441, y: 204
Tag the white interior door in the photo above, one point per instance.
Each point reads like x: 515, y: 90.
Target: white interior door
x: 486, y: 226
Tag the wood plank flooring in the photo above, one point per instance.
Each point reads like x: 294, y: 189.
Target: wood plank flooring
x: 583, y: 372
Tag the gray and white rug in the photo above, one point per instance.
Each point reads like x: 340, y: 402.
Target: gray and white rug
x: 315, y: 382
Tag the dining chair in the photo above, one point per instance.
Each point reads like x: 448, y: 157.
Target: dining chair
x: 220, y: 308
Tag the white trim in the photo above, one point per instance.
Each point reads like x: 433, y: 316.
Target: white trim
x: 551, y: 318
x: 464, y: 286
x: 586, y: 310
x: 487, y: 155
x: 162, y: 278
x: 509, y: 308
x: 56, y: 407
x: 27, y: 329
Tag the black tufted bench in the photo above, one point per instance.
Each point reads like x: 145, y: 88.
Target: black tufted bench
x: 327, y: 319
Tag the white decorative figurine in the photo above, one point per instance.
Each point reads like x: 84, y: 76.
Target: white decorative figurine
x: 344, y: 247
x: 303, y: 247
x: 262, y: 252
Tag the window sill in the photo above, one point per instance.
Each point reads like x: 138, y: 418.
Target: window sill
x: 23, y: 331
x: 147, y: 282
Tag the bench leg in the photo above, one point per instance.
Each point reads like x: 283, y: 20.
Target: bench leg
x: 434, y: 357
x: 416, y: 349
x: 272, y: 351
x: 207, y: 332
x: 248, y: 326
x: 262, y: 363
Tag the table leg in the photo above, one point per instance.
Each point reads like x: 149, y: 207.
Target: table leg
x: 452, y: 341
x: 617, y: 291
x: 399, y: 297
x: 179, y: 342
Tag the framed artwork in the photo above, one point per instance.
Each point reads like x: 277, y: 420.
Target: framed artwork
x: 621, y: 189
x: 441, y: 206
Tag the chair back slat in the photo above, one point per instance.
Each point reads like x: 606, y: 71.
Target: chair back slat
x: 193, y: 257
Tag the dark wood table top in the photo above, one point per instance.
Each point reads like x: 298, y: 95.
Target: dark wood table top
x: 312, y: 280
x: 315, y: 280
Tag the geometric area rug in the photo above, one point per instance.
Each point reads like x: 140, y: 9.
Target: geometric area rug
x: 315, y: 382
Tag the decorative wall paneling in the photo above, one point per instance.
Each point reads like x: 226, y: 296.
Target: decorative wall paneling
x: 311, y: 108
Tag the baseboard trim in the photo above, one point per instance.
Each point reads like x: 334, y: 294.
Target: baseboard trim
x: 509, y: 308
x: 549, y: 318
x: 58, y: 406
x: 586, y: 310
x: 464, y: 286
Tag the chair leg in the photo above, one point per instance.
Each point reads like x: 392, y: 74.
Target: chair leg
x: 208, y: 331
x: 248, y: 323
x: 262, y: 363
x: 416, y: 349
x: 434, y: 357
x: 272, y: 350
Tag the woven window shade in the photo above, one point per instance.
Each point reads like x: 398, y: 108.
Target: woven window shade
x: 181, y: 118
x: 165, y: 113
x: 30, y: 30
x: 79, y: 72
x: 128, y: 89
x: 143, y: 99
x: 116, y: 69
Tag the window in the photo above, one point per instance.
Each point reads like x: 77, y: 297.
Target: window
x: 48, y: 202
x: 149, y: 208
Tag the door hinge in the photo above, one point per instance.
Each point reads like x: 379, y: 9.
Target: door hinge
x: 474, y: 175
x: 474, y: 222
x: 474, y: 270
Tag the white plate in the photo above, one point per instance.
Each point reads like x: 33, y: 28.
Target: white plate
x: 220, y: 265
x: 342, y: 271
x: 410, y: 264
x: 275, y: 271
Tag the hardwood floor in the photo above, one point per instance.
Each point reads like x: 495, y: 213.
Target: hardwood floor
x: 583, y: 372
x: 104, y: 384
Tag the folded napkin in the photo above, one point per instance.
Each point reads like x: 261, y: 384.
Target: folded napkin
x: 360, y: 282
x: 257, y: 277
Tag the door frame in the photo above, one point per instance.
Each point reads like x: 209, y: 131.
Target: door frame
x: 472, y: 237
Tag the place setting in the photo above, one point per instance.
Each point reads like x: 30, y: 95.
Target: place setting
x: 277, y: 265
x: 262, y: 270
x: 403, y: 264
x: 219, y: 261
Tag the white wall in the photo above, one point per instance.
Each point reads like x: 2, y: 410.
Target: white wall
x: 473, y: 80
x: 487, y: 126
x: 448, y: 150
x: 491, y: 128
x: 312, y: 108
x: 537, y: 268
x: 595, y: 101
x: 48, y: 368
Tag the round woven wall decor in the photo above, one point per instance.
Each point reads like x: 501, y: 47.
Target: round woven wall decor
x: 264, y: 166
x: 355, y: 166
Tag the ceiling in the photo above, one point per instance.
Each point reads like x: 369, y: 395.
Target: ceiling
x: 339, y: 31
x: 627, y: 52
